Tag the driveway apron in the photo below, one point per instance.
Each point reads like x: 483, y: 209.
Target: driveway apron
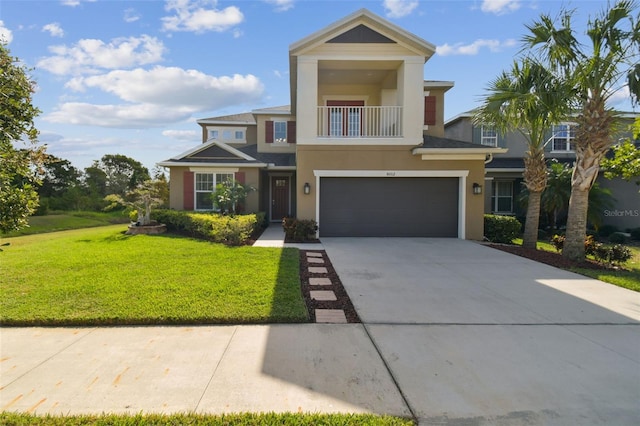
x: 473, y: 335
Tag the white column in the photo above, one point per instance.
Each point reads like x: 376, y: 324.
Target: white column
x: 307, y: 100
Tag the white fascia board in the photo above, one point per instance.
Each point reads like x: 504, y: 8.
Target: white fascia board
x: 227, y: 122
x: 274, y: 167
x: 462, y: 115
x: 210, y: 165
x: 391, y: 173
x: 268, y: 111
x: 453, y: 151
x: 359, y: 141
x: 431, y: 84
x: 193, y: 150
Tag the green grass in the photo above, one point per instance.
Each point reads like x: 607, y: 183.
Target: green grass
x: 244, y: 419
x: 62, y: 221
x: 629, y: 277
x: 99, y: 276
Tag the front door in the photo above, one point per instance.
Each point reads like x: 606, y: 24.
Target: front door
x: 280, y: 197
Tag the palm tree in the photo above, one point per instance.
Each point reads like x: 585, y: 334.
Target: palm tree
x: 525, y: 99
x: 595, y: 71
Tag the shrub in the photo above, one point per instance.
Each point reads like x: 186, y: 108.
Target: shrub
x: 299, y: 229
x: 635, y: 234
x: 590, y: 244
x: 607, y: 230
x: 618, y: 238
x: 501, y: 229
x: 558, y: 242
x: 616, y: 254
x: 230, y: 230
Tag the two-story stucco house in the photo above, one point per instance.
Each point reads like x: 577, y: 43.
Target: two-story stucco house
x: 504, y: 174
x: 360, y: 149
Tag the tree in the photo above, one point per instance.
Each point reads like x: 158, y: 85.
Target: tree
x: 525, y: 100
x: 625, y: 162
x: 58, y: 176
x: 595, y: 71
x: 123, y: 173
x: 20, y: 158
x: 142, y: 199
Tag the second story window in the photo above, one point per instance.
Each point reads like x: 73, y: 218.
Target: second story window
x: 489, y: 136
x: 280, y: 131
x: 563, y: 136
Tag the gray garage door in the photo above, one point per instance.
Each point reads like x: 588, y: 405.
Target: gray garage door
x: 388, y: 207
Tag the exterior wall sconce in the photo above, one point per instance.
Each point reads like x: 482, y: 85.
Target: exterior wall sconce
x: 477, y: 189
x: 307, y: 188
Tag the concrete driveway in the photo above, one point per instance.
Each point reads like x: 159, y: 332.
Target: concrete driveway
x: 473, y: 335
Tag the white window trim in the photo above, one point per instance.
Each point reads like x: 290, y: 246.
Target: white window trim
x: 483, y: 137
x: 460, y: 174
x: 495, y: 197
x: 277, y: 141
x: 567, y: 140
x: 196, y: 191
x: 233, y: 130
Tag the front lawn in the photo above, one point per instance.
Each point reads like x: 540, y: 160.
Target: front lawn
x: 242, y: 419
x: 61, y: 221
x: 628, y: 276
x: 100, y: 276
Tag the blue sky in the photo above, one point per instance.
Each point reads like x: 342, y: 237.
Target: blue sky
x: 132, y: 77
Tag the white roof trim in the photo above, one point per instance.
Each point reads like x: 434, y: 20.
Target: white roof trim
x: 210, y: 165
x: 210, y: 143
x: 452, y: 151
x: 232, y: 123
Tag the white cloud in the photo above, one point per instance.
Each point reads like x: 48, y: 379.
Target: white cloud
x: 156, y: 97
x: 74, y: 3
x: 475, y: 47
x: 200, y: 16
x: 281, y: 5
x: 500, y: 7
x: 621, y: 95
x: 130, y: 15
x: 54, y: 29
x: 91, y: 55
x: 5, y: 34
x: 183, y: 135
x: 399, y: 8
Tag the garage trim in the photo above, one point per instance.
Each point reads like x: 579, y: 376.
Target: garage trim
x: 462, y: 184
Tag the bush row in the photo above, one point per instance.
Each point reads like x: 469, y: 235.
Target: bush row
x: 299, y: 229
x: 614, y: 254
x: 501, y: 229
x: 231, y: 230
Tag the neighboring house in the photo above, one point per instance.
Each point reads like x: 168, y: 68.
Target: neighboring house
x: 503, y: 179
x: 361, y: 148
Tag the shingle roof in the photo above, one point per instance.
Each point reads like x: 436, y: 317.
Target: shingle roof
x: 437, y: 142
x: 277, y: 159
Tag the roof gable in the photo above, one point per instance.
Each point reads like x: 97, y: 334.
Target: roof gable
x: 361, y: 34
x: 367, y: 26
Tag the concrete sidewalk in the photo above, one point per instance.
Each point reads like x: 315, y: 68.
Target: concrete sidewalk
x: 219, y: 369
x: 273, y: 236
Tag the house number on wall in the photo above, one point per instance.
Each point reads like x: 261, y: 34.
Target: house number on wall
x: 391, y: 174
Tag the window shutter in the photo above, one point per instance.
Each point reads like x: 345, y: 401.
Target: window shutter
x: 239, y: 177
x: 188, y: 190
x: 291, y: 131
x: 476, y: 134
x: 429, y: 110
x: 268, y: 129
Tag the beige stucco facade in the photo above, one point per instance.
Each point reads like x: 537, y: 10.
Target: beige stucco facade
x: 389, y: 160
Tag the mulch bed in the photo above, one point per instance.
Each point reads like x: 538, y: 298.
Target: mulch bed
x: 343, y: 302
x: 550, y: 258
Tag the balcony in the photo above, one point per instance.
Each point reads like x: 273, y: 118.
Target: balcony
x: 359, y: 122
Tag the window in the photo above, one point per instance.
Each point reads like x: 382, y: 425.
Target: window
x: 563, y: 136
x: 345, y: 118
x: 205, y: 185
x: 489, y: 136
x: 227, y: 134
x: 280, y: 131
x: 502, y: 196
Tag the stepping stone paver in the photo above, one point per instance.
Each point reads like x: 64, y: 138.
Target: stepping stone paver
x: 317, y: 270
x: 314, y: 260
x: 314, y: 254
x: 319, y: 281
x: 323, y: 295
x: 335, y: 316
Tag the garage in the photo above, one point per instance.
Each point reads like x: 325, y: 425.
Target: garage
x: 389, y: 206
